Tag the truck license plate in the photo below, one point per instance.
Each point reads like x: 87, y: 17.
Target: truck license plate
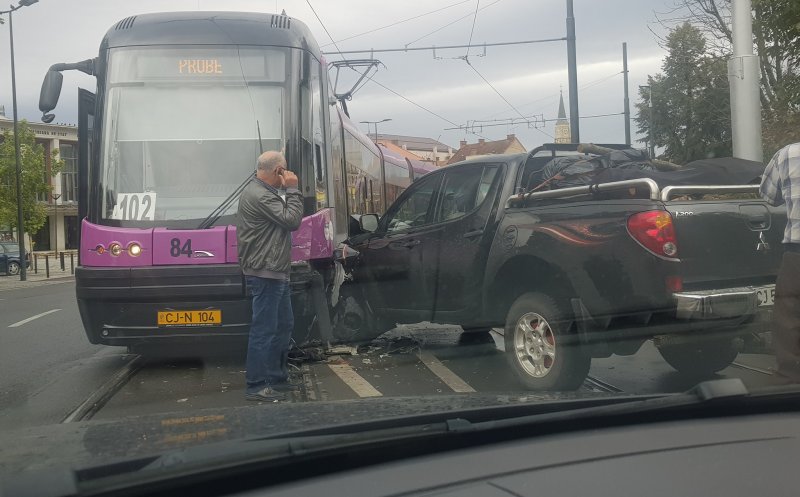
x: 766, y: 295
x: 208, y: 317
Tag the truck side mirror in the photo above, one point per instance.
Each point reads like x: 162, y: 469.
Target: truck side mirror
x: 51, y: 91
x: 368, y: 222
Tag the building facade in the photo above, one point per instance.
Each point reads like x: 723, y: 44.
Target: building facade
x: 427, y: 149
x: 511, y: 145
x: 60, y: 232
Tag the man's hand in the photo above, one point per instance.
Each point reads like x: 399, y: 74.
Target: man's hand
x: 289, y: 179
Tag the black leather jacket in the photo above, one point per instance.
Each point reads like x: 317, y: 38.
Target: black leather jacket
x: 264, y: 225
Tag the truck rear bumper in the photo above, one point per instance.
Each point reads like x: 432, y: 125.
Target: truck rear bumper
x: 719, y: 304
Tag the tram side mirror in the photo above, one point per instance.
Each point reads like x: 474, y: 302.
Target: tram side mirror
x: 51, y: 91
x: 368, y: 222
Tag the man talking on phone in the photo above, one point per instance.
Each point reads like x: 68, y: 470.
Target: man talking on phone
x: 264, y: 231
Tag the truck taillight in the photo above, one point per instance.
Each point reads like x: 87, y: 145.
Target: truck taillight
x: 655, y: 231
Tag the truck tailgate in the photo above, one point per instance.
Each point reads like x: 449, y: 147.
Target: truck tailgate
x: 728, y: 243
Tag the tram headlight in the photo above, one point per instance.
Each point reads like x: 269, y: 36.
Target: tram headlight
x: 115, y: 249
x: 134, y: 249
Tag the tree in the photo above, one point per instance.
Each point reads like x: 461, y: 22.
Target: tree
x: 35, y: 181
x: 776, y: 33
x: 691, y: 106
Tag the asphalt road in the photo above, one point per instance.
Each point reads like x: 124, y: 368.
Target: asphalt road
x: 409, y: 361
x: 49, y: 372
x: 47, y: 367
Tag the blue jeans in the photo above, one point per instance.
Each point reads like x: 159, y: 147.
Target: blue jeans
x: 270, y: 333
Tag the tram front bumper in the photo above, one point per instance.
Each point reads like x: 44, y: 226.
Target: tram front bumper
x: 131, y: 306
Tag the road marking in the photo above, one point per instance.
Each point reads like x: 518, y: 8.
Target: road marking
x: 24, y: 321
x: 355, y: 381
x: 450, y: 379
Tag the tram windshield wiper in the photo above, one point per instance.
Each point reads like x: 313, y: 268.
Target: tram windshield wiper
x: 223, y: 207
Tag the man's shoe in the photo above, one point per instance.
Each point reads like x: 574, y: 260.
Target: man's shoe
x: 266, y: 394
x: 286, y: 387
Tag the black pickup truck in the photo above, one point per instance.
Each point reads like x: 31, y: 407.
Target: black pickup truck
x: 571, y: 273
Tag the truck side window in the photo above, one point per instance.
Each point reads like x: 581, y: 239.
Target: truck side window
x: 489, y: 173
x: 463, y: 191
x: 413, y: 210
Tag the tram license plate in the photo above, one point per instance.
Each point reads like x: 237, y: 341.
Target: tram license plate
x: 208, y: 317
x: 766, y: 295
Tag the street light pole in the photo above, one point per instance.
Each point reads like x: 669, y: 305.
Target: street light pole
x: 55, y: 197
x: 651, y: 146
x: 652, y: 123
x: 23, y: 266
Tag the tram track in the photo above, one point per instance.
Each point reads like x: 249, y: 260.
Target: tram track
x: 89, y: 407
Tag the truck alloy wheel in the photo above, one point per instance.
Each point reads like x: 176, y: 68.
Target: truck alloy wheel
x: 539, y: 347
x: 534, y: 345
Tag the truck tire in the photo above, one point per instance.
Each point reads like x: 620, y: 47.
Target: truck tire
x: 541, y: 351
x: 701, y: 358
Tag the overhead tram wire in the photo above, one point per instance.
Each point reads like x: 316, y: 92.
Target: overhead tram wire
x: 325, y: 28
x: 554, y: 95
x: 378, y: 83
x: 371, y: 78
x: 466, y: 59
x: 472, y: 31
x: 398, y: 23
x: 450, y: 24
x: 504, y: 98
x: 445, y: 47
x: 514, y: 121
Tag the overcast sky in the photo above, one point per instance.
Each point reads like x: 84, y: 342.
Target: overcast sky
x: 528, y: 76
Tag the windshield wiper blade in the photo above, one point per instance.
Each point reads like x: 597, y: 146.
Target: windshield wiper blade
x: 225, y: 205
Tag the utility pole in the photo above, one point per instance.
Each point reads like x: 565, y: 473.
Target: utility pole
x: 743, y: 75
x: 651, y: 146
x: 23, y: 266
x: 626, y: 101
x: 651, y: 127
x: 572, y: 72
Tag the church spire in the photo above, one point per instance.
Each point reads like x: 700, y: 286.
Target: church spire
x: 563, y: 132
x: 562, y: 114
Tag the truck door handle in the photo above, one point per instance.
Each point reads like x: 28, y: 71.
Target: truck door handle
x: 411, y: 243
x: 473, y: 233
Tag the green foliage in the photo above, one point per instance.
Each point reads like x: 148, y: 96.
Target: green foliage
x: 776, y: 28
x: 691, y: 104
x: 34, y: 179
x: 776, y: 33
